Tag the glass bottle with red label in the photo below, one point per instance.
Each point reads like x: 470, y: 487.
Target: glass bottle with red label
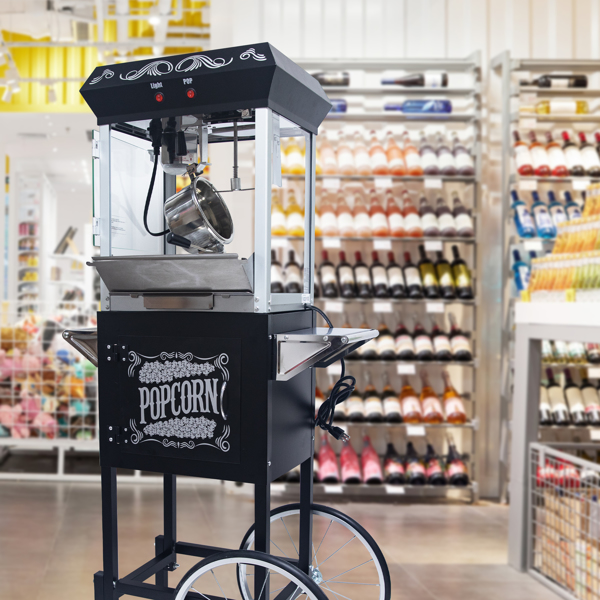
x: 454, y: 406
x: 373, y: 404
x: 456, y: 470
x: 523, y: 158
x: 433, y: 467
x: 379, y: 277
x: 362, y: 276
x: 327, y: 274
x: 328, y: 466
x: 591, y: 399
x: 349, y: 464
x: 441, y: 343
x: 556, y: 157
x: 386, y: 347
x: 573, y: 156
x: 410, y: 406
x: 446, y: 221
x: 371, y: 465
x: 355, y: 407
x: 414, y: 468
x: 412, y: 277
x: 539, y: 157
x: 393, y: 469
x: 397, y: 285
x: 429, y: 159
x: 405, y: 347
x: 395, y: 156
x: 429, y: 220
x: 591, y: 160
x: 345, y: 277
x: 430, y: 403
x: 423, y: 343
x: 459, y: 342
x: 391, y: 402
x: 379, y: 222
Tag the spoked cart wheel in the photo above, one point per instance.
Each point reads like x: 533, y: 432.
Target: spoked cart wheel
x: 346, y: 561
x: 216, y: 577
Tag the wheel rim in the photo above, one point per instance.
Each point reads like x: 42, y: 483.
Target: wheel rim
x: 206, y: 579
x: 327, y: 576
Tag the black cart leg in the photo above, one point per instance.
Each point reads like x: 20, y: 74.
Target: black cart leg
x: 110, y: 549
x: 262, y: 527
x: 163, y: 542
x: 306, y: 499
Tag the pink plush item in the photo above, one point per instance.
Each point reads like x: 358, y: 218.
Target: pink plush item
x: 31, y: 363
x: 9, y: 415
x: 46, y: 424
x: 31, y: 406
x: 20, y: 430
x: 11, y: 366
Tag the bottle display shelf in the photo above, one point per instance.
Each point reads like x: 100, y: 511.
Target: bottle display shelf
x: 396, y: 301
x: 583, y: 118
x: 424, y: 363
x: 424, y: 178
x: 398, y: 90
x: 575, y: 427
x: 584, y: 179
x: 399, y: 240
x: 392, y: 116
x: 453, y: 65
x: 538, y: 91
x: 570, y: 365
x: 28, y: 252
x: 534, y: 242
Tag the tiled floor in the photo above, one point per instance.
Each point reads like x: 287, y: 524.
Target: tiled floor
x: 50, y: 540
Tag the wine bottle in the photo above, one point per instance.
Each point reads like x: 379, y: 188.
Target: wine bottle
x: 422, y: 342
x: 379, y: 277
x: 394, y: 155
x: 572, y: 209
x: 276, y: 275
x: 410, y: 406
x: 294, y: 216
x: 419, y: 106
x: 561, y: 351
x: 278, y: 222
x: 292, y: 275
x: 429, y: 79
x: 591, y: 161
x: 430, y: 403
x: 429, y: 159
x: 591, y: 399
x: 462, y: 276
x: 545, y: 408
x: 404, y: 344
x: 393, y: 469
x: 445, y: 277
x: 445, y: 218
x: 433, y: 468
x: 557, y: 107
x: 329, y: 222
x: 368, y: 351
x: 557, y: 399
x: 429, y: 221
x: 329, y: 287
x: 379, y: 162
x: 454, y: 407
x: 412, y: 220
x: 395, y: 277
x: 574, y: 400
x: 355, y: 409
x: 391, y: 402
x: 522, y: 217
x: 373, y: 404
x: 576, y: 352
x: 386, y: 347
x: 345, y: 156
x: 523, y: 158
x: 462, y: 218
x: 557, y: 211
x: 428, y: 275
x: 362, y: 276
x: 446, y: 160
x: 547, y: 351
x: 394, y: 216
x: 362, y: 221
x: 328, y: 467
x: 345, y: 277
x: 592, y: 352
x: 464, y: 161
x: 345, y: 218
x: 328, y: 157
x: 362, y: 160
x: 556, y: 157
x: 350, y: 466
x: 414, y: 468
x: 573, y: 156
x: 339, y: 78
x: 441, y: 343
x: 412, y: 158
x: 371, y: 465
x: 459, y: 342
x: 412, y: 276
x: 560, y: 81
x: 295, y: 157
x: 456, y: 470
x: 316, y: 284
x: 379, y: 222
x: 520, y: 271
x: 543, y: 221
x: 539, y: 157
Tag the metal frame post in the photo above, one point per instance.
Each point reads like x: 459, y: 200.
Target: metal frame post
x: 262, y: 528
x: 309, y: 215
x: 168, y: 540
x: 104, y: 168
x: 110, y: 548
x: 306, y: 500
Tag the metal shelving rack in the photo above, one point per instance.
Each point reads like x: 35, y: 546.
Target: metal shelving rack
x: 470, y: 68
x: 507, y: 69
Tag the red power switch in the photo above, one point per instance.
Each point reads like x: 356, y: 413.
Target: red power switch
x: 190, y: 93
x: 159, y: 97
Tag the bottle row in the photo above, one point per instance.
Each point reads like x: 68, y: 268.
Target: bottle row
x: 558, y: 351
x: 420, y: 345
x: 404, y: 407
x: 428, y: 79
x: 561, y: 272
x: 28, y: 228
x: 569, y: 405
x: 335, y: 218
x: 550, y: 159
x: 579, y: 235
x: 562, y: 107
x: 426, y: 279
x: 410, y: 469
x: 557, y: 81
x: 416, y: 106
x: 542, y: 220
x: 558, y: 472
x: 28, y: 260
x: 352, y: 156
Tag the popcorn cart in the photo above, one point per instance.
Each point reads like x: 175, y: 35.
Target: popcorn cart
x: 203, y: 371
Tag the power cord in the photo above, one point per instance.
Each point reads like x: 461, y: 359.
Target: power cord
x: 155, y: 131
x: 341, y: 391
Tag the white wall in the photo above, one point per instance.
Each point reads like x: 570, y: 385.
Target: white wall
x: 411, y: 28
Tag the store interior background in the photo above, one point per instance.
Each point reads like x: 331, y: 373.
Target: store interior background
x: 54, y: 138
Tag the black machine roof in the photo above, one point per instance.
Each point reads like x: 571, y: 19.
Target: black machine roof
x: 228, y: 79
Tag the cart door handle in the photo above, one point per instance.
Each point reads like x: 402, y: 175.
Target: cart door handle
x: 224, y: 412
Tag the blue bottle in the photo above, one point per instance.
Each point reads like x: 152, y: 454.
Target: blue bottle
x: 522, y: 217
x: 543, y: 221
x: 557, y: 211
x: 521, y: 272
x: 338, y: 106
x: 423, y: 106
x: 572, y: 208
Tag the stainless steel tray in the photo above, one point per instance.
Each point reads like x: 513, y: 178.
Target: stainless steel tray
x: 174, y: 274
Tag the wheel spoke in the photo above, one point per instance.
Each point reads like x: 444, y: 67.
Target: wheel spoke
x: 278, y: 548
x: 348, y: 571
x: 264, y: 584
x: 336, y: 594
x: 315, y: 556
x: 222, y: 592
x: 330, y: 523
x: 291, y: 540
x: 352, y: 538
x: 197, y: 592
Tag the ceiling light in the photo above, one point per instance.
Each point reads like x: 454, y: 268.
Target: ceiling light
x: 16, y: 87
x: 11, y: 74
x: 154, y: 20
x: 7, y: 94
x: 55, y: 149
x: 51, y: 95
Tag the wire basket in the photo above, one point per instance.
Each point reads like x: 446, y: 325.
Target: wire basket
x: 565, y: 519
x: 47, y: 390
